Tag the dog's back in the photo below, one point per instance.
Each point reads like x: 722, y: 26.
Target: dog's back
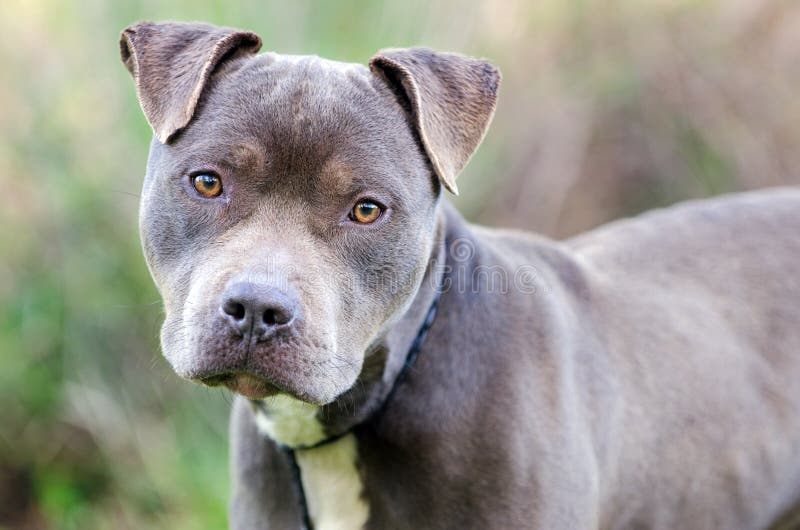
x: 698, y: 307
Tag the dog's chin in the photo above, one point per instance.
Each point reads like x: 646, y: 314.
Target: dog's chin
x: 253, y: 387
x: 244, y: 384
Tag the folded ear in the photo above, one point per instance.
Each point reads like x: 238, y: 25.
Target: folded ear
x: 171, y: 63
x: 451, y: 99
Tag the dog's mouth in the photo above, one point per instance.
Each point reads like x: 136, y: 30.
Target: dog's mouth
x: 246, y: 384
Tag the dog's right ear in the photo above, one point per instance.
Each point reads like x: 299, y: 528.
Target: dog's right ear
x: 171, y: 63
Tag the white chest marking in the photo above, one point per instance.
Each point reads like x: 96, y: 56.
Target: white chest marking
x: 289, y: 421
x: 333, y: 486
x: 331, y: 481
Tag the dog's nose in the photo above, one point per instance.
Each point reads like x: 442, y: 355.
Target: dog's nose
x: 257, y: 309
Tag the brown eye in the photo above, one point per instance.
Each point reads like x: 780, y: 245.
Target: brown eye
x: 207, y: 185
x: 365, y: 212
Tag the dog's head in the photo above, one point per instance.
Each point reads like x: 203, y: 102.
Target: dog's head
x: 289, y: 206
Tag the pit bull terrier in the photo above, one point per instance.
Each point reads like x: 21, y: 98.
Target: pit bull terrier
x: 399, y: 368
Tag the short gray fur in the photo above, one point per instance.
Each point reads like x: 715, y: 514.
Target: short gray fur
x: 643, y: 375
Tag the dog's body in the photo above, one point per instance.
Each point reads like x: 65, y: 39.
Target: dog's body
x: 643, y: 375
x: 646, y: 383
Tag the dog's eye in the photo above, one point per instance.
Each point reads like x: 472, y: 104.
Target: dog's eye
x: 207, y: 184
x: 365, y: 212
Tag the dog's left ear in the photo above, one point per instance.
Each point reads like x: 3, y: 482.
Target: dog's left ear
x: 171, y: 64
x: 451, y: 98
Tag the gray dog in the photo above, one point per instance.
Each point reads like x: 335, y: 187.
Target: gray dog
x: 400, y: 368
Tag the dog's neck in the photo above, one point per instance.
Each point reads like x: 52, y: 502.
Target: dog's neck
x: 293, y: 423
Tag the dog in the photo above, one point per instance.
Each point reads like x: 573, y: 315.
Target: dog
x: 396, y: 367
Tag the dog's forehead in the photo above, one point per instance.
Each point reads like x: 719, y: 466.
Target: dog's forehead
x: 290, y: 91
x: 301, y: 113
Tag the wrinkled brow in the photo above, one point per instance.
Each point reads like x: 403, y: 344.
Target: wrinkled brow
x: 340, y: 177
x: 243, y: 157
x: 246, y: 157
x: 337, y: 177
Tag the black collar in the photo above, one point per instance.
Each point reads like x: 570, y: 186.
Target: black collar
x: 411, y: 357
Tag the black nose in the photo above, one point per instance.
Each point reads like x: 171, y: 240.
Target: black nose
x: 256, y: 309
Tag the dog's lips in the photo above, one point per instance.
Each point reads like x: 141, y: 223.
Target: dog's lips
x: 248, y: 385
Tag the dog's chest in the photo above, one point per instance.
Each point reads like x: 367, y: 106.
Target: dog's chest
x: 329, y: 474
x: 333, y: 486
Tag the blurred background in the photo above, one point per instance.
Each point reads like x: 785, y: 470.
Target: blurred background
x: 606, y: 109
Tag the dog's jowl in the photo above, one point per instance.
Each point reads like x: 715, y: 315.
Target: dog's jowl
x: 393, y: 366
